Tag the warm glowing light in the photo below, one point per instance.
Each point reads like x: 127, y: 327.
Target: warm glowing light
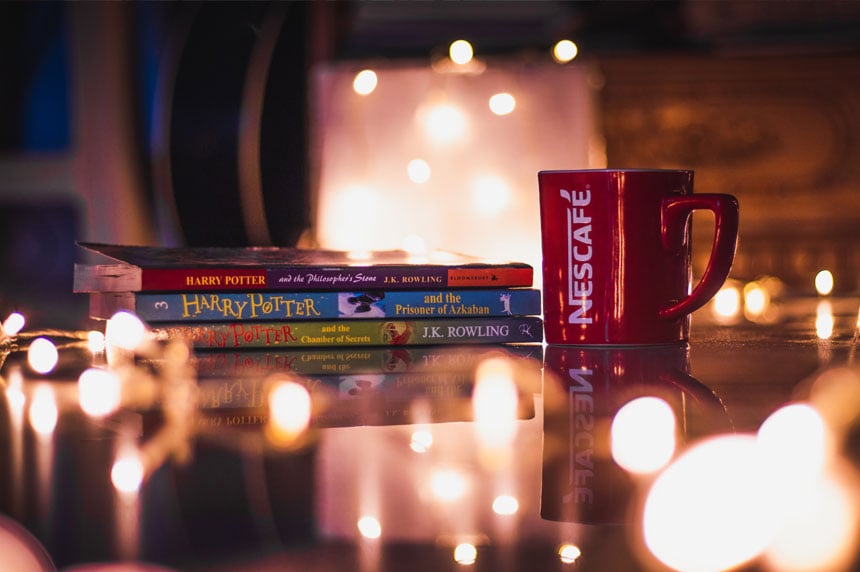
x: 448, y: 484
x: 99, y: 392
x: 289, y: 408
x: 794, y: 443
x: 465, y: 554
x: 125, y: 330
x: 564, y: 51
x: 369, y: 527
x: 95, y: 341
x: 414, y: 244
x: 351, y: 232
x: 445, y: 124
x: 421, y: 441
x: 824, y: 282
x: 495, y: 402
x: 643, y: 435
x: 365, y: 82
x: 505, y: 505
x: 418, y: 171
x: 42, y: 355
x: 15, y: 391
x: 569, y: 553
x: 460, y: 52
x: 824, y: 320
x: 13, y: 324
x: 127, y: 473
x: 727, y: 302
x: 43, y: 413
x: 490, y: 195
x: 818, y: 530
x: 713, y: 508
x: 502, y: 103
x: 756, y: 300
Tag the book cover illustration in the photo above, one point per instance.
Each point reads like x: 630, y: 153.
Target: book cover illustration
x: 181, y: 269
x: 310, y: 333
x: 221, y: 306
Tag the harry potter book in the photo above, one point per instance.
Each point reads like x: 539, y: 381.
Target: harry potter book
x: 308, y: 333
x: 180, y: 269
x: 266, y: 305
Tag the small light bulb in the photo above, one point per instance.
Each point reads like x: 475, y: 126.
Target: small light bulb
x: 365, y: 82
x: 564, y: 51
x: 460, y: 52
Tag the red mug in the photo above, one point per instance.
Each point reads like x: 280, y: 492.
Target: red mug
x: 616, y: 254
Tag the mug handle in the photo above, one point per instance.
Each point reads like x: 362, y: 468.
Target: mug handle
x: 675, y: 212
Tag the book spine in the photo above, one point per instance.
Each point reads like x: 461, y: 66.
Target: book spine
x: 229, y: 335
x: 313, y: 361
x: 207, y: 306
x: 384, y: 277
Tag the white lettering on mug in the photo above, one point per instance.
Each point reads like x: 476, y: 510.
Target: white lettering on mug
x: 580, y: 272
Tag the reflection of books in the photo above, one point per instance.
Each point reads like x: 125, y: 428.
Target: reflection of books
x: 249, y: 363
x: 149, y: 268
x: 263, y: 305
x: 375, y: 397
x: 515, y: 329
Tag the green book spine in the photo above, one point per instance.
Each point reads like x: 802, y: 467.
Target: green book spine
x: 229, y: 335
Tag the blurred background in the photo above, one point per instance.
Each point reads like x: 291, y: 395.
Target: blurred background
x: 252, y: 123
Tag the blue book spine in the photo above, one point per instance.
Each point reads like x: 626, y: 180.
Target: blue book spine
x: 242, y: 306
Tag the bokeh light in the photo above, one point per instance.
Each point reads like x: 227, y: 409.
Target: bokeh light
x: 643, y: 435
x: 127, y: 473
x: 421, y: 441
x: 289, y: 409
x: 502, y: 103
x: 369, y: 527
x: 505, y: 505
x: 99, y: 392
x: 418, y: 171
x: 713, y: 508
x: 564, y: 51
x: 791, y: 433
x: 495, y: 402
x: 824, y: 320
x: 13, y: 323
x: 125, y: 330
x: 490, y: 195
x: 43, y: 414
x: 819, y: 528
x: 365, y: 82
x: 42, y: 355
x: 460, y: 52
x: 569, y: 553
x: 824, y: 282
x: 445, y: 124
x: 448, y: 484
x: 726, y: 303
x: 465, y: 553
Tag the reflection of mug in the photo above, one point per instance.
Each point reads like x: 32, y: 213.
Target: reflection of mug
x: 583, y: 390
x: 616, y: 254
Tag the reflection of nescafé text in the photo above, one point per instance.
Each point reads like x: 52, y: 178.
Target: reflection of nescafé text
x: 581, y: 404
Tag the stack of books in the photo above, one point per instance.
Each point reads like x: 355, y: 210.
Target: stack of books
x: 221, y: 298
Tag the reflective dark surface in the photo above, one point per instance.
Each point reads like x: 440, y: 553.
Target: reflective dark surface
x: 495, y: 450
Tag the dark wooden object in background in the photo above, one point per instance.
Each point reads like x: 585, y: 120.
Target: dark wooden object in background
x: 780, y: 133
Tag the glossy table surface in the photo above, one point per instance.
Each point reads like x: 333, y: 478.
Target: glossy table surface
x: 492, y: 454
